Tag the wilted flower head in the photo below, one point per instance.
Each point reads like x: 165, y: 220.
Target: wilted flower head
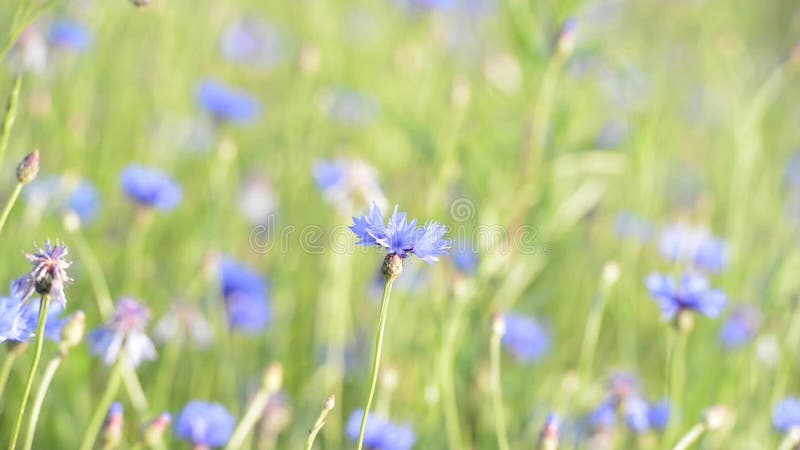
x: 549, y: 436
x: 112, y: 430
x: 225, y: 104
x: 69, y: 35
x: 693, y: 294
x: 346, y: 183
x: 380, y: 433
x: 246, y: 296
x: 205, y: 424
x: 525, y: 337
x: 62, y: 194
x: 253, y: 42
x: 48, y: 275
x: 401, y: 237
x: 153, y: 433
x: 740, y: 328
x: 151, y: 187
x: 184, y: 320
x: 680, y: 242
x: 124, y: 331
x: 786, y: 415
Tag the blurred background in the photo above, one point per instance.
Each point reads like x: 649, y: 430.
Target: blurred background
x: 560, y: 141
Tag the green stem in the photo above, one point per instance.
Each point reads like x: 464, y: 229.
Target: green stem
x: 318, y: 425
x: 497, y: 393
x: 591, y: 334
x: 9, y: 204
x: 38, y: 400
x: 690, y: 437
x: 677, y: 374
x: 94, y: 270
x: 11, y: 115
x: 447, y: 385
x: 44, y: 305
x: 96, y: 422
x: 254, y: 412
x: 376, y: 359
x: 5, y: 371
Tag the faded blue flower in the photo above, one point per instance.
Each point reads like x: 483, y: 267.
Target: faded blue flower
x: 18, y: 320
x: 694, y: 294
x: 682, y: 243
x: 254, y: 42
x: 786, y: 415
x: 465, y: 258
x: 63, y: 194
x: 205, y: 424
x: 740, y: 328
x: 604, y: 417
x: 401, y: 237
x: 125, y: 331
x: 246, y: 296
x: 628, y: 225
x: 69, y: 35
x: 151, y: 187
x: 184, y: 320
x: 525, y: 337
x: 346, y: 183
x: 380, y: 433
x: 48, y: 275
x: 226, y: 104
x: 643, y: 417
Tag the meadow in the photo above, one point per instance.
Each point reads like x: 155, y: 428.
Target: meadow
x: 202, y: 248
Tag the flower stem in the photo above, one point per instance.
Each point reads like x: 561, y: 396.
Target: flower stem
x: 5, y: 371
x: 677, y: 374
x: 497, y: 393
x: 376, y: 358
x: 94, y: 270
x: 591, y: 334
x: 38, y: 400
x: 690, y: 437
x: 319, y: 423
x: 10, y: 117
x: 96, y: 422
x: 251, y: 416
x: 447, y: 385
x: 9, y: 204
x: 44, y: 305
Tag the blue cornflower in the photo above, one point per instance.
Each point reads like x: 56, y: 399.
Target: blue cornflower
x: 658, y: 414
x: 604, y: 417
x: 48, y: 275
x: 786, y: 415
x: 70, y: 35
x: 347, y: 182
x: 252, y: 42
x: 205, y: 424
x: 401, y: 237
x: 643, y: 417
x: 680, y: 242
x: 693, y: 294
x: 124, y: 331
x: 740, y: 327
x: 246, y: 296
x: 465, y: 258
x: 525, y: 337
x: 18, y: 320
x: 380, y: 433
x: 226, y: 104
x: 151, y: 187
x: 63, y: 194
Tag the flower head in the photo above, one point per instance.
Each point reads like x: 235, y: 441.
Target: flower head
x: 69, y: 35
x: 525, y: 337
x: 124, y: 331
x: 62, y: 194
x: 346, y: 183
x: 252, y: 42
x: 112, y: 430
x: 401, y: 237
x: 643, y: 417
x: 205, y: 424
x: 693, y: 294
x: 380, y: 433
x: 786, y: 415
x: 246, y: 296
x: 465, y: 258
x: 226, y: 104
x: 680, y: 242
x: 151, y: 187
x: 48, y: 275
x: 549, y: 436
x: 740, y: 328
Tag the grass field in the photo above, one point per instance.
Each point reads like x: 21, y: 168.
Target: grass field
x: 618, y: 179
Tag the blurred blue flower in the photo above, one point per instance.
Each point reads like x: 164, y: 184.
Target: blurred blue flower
x: 465, y: 258
x: 549, y: 435
x: 401, y: 237
x: 69, y: 35
x: 63, y: 194
x: 226, y: 104
x: 658, y: 414
x: 380, y: 433
x: 643, y: 417
x: 184, y: 320
x: 623, y: 385
x: 48, y: 276
x: 246, y: 296
x: 604, y: 417
x: 151, y: 187
x: 786, y: 415
x: 680, y: 242
x: 349, y: 107
x: 628, y: 225
x: 253, y: 42
x: 205, y: 424
x: 347, y: 182
x: 525, y: 338
x: 14, y: 324
x: 740, y: 328
x: 125, y: 331
x: 694, y: 294
x: 612, y: 135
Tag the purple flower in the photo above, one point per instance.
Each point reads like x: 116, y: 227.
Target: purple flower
x: 253, y: 42
x: 246, y: 296
x: 526, y: 338
x: 401, y: 237
x: 48, y: 275
x: 680, y: 242
x: 70, y: 35
x: 124, y: 331
x: 786, y: 415
x: 693, y: 294
x: 740, y: 327
x: 151, y: 187
x: 380, y: 433
x: 205, y: 424
x: 226, y: 104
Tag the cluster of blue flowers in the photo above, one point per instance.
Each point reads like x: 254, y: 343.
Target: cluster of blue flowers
x: 626, y: 401
x: 381, y: 433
